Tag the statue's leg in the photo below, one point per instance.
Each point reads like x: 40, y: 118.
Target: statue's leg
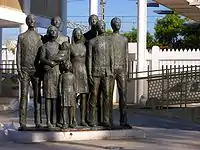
x: 48, y: 108
x: 52, y: 110
x: 64, y: 114
x: 40, y: 98
x: 72, y: 120
x: 99, y: 107
x: 94, y: 89
x: 59, y: 116
x: 83, y: 109
x: 106, y: 100
x: 112, y: 83
x: 122, y: 88
x: 37, y: 101
x: 23, y: 100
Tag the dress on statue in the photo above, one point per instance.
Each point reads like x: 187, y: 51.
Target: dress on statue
x: 51, y: 74
x: 67, y: 89
x: 78, y: 59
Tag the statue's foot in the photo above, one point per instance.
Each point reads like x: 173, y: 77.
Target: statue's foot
x: 72, y: 125
x: 49, y: 125
x: 64, y: 126
x: 74, y: 122
x: 92, y: 124
x: 38, y: 126
x: 83, y: 123
x: 58, y: 125
x: 125, y: 126
x: 22, y: 127
x: 106, y: 124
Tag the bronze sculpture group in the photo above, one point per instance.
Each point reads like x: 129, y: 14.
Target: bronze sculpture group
x: 84, y: 69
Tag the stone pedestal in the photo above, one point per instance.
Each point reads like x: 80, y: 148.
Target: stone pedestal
x: 62, y: 136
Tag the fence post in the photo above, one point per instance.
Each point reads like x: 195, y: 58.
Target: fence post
x: 155, y: 56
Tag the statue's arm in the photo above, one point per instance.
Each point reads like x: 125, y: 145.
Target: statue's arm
x: 60, y: 85
x: 90, y: 58
x: 43, y: 58
x: 112, y: 57
x: 18, y: 57
x: 59, y: 58
x: 37, y: 58
x: 89, y: 62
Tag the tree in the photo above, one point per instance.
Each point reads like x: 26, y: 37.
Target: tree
x: 191, y: 36
x: 132, y: 37
x: 168, y: 30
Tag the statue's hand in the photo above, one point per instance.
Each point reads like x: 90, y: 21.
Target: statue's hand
x: 20, y: 75
x: 91, y: 81
x: 52, y: 64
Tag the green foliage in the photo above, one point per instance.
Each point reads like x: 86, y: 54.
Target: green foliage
x: 168, y: 30
x: 191, y: 36
x: 132, y: 37
x: 109, y: 32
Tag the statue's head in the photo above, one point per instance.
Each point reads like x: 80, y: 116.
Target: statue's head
x: 67, y: 66
x: 56, y: 21
x: 65, y: 46
x: 116, y: 24
x: 77, y: 34
x: 101, y: 26
x: 52, y: 31
x: 93, y: 19
x: 31, y: 20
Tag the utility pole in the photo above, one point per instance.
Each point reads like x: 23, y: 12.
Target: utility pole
x: 102, y: 4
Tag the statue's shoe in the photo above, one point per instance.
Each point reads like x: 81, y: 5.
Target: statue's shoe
x: 126, y: 126
x: 22, y: 127
x: 83, y: 123
x: 64, y: 126
x: 49, y: 126
x: 38, y: 126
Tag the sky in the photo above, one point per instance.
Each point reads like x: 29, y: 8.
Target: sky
x: 78, y: 11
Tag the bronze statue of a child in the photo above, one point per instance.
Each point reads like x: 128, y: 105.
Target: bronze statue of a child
x: 63, y: 54
x: 67, y: 94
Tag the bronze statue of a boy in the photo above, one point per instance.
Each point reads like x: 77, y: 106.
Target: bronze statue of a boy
x: 120, y: 51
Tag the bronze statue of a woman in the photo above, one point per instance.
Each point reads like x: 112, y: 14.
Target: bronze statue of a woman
x: 78, y: 59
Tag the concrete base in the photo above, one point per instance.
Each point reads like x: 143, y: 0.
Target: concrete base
x: 39, y: 136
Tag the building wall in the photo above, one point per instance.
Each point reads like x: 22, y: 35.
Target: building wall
x: 46, y: 8
x: 13, y: 4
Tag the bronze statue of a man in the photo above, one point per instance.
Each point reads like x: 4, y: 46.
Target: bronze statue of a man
x: 100, y: 73
x: 120, y: 44
x: 51, y: 73
x: 27, y: 47
x: 92, y: 33
x: 56, y: 21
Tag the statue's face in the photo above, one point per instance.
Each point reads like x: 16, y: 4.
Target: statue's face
x: 56, y: 22
x: 101, y: 27
x: 93, y: 20
x: 77, y: 34
x: 53, y: 32
x: 30, y: 21
x: 116, y: 24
